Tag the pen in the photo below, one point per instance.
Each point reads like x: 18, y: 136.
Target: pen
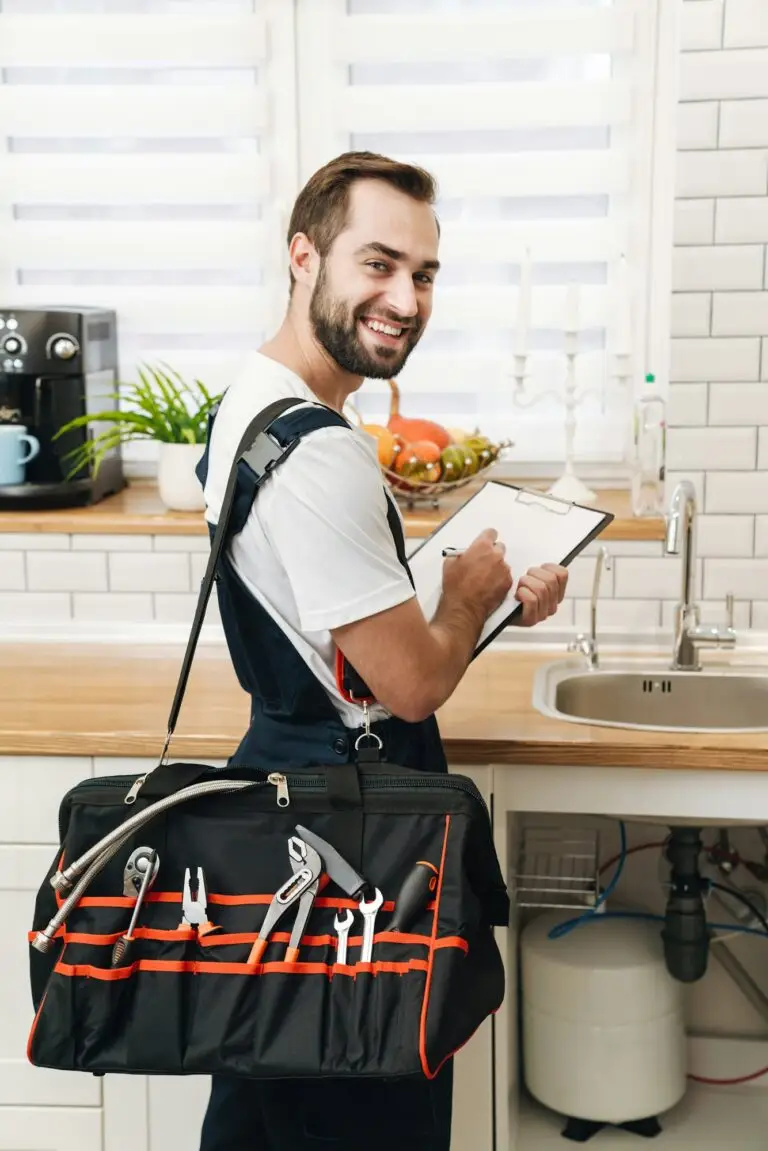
x: 453, y: 552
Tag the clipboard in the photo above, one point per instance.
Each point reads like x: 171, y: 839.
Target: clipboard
x: 536, y: 528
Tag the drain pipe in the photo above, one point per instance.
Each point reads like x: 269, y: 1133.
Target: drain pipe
x: 685, y: 935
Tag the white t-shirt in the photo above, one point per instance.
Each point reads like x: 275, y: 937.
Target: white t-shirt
x: 317, y: 550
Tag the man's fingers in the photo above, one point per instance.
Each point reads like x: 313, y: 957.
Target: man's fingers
x: 561, y: 574
x: 544, y: 588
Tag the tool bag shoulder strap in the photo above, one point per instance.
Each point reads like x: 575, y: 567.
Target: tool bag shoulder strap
x: 268, y: 440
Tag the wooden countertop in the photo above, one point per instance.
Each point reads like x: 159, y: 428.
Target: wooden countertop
x: 137, y: 510
x: 65, y: 699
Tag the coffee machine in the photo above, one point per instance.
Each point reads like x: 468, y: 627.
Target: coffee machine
x: 56, y: 364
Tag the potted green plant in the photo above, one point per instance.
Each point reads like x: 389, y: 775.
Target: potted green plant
x: 159, y: 406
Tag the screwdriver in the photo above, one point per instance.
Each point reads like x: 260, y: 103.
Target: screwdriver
x: 417, y: 887
x: 122, y: 947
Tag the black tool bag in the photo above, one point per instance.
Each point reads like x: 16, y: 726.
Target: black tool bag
x: 204, y: 859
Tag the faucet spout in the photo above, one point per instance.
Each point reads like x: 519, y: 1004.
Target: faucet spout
x: 689, y: 634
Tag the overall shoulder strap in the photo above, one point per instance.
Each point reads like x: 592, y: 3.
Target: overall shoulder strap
x: 269, y: 439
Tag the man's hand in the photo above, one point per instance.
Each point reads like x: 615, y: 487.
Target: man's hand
x: 480, y: 578
x: 541, y: 592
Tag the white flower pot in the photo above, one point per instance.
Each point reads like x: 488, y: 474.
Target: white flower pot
x: 178, y: 486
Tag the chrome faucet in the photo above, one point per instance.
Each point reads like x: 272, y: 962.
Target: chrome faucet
x: 587, y: 644
x: 690, y: 633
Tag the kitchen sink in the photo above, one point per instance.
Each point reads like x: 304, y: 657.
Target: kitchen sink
x: 653, y: 698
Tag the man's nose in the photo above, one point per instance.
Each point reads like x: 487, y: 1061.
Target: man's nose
x: 401, y: 296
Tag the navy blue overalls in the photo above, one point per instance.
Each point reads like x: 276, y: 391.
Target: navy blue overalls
x: 294, y: 724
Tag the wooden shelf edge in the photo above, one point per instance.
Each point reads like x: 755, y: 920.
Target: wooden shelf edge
x: 138, y: 511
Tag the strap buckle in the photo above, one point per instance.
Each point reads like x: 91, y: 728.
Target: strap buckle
x: 367, y: 733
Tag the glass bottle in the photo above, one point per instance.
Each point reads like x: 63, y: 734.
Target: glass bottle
x: 649, y: 435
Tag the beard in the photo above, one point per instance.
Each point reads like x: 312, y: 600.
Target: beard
x: 337, y: 327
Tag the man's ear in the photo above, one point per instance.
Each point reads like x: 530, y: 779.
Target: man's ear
x: 304, y: 258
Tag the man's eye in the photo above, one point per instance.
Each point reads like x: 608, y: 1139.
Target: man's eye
x: 424, y: 277
x: 378, y: 265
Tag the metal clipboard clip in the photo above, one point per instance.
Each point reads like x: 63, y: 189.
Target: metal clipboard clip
x: 555, y: 505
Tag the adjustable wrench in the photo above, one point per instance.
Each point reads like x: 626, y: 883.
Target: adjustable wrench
x: 342, y: 926
x: 368, y: 909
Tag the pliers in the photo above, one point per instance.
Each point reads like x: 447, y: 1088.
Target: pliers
x: 302, y: 887
x: 195, y: 908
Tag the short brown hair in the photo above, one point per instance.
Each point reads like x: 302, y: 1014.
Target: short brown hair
x: 320, y: 211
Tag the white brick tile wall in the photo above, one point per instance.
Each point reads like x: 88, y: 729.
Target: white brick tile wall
x: 737, y: 493
x: 34, y: 607
x: 732, y: 448
x: 651, y: 578
x: 704, y: 174
x: 743, y: 219
x: 645, y: 548
x: 697, y: 125
x: 762, y: 449
x: 33, y: 541
x: 702, y: 25
x: 724, y: 268
x: 761, y: 537
x: 746, y: 23
x: 137, y: 608
x: 738, y: 404
x: 66, y: 571
x: 12, y: 571
x: 181, y: 608
x: 739, y: 313
x: 111, y: 543
x: 154, y: 572
x: 734, y: 75
x: 724, y: 535
x: 694, y: 222
x: 744, y: 124
x: 631, y: 614
x: 760, y: 615
x: 731, y: 358
x: 691, y: 313
x: 746, y: 578
x: 199, y: 543
x: 687, y: 405
x: 764, y: 359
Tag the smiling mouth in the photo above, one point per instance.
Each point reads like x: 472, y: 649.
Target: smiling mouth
x: 388, y: 333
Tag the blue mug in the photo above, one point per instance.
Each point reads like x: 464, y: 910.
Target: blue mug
x: 12, y: 459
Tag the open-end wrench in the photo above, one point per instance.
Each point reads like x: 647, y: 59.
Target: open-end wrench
x: 342, y: 925
x: 368, y: 909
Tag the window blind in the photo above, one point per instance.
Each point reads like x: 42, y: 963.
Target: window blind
x: 141, y: 166
x: 150, y: 151
x: 535, y: 116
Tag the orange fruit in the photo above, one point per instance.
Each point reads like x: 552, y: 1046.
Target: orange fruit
x: 386, y: 443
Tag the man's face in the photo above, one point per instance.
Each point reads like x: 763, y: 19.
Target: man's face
x: 373, y: 294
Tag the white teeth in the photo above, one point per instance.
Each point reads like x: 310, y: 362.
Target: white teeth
x: 387, y: 329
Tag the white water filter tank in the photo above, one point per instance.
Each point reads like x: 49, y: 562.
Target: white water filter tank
x: 603, y: 1030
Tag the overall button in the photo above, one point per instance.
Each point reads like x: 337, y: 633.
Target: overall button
x: 340, y: 746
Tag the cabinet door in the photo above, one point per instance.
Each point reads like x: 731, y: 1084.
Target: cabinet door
x: 50, y: 1129
x: 176, y: 1110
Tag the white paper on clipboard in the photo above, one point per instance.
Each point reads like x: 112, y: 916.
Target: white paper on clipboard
x: 534, y: 527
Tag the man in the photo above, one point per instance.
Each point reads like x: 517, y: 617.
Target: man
x: 312, y: 568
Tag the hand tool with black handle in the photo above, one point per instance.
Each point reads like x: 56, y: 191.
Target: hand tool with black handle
x: 414, y: 895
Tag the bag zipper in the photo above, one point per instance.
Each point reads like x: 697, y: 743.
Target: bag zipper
x: 286, y: 782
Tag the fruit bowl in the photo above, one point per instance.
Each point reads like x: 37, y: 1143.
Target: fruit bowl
x: 422, y: 461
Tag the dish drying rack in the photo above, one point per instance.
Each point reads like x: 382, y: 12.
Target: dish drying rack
x: 557, y: 867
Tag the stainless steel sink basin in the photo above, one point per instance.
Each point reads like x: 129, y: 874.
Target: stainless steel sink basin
x: 652, y: 698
